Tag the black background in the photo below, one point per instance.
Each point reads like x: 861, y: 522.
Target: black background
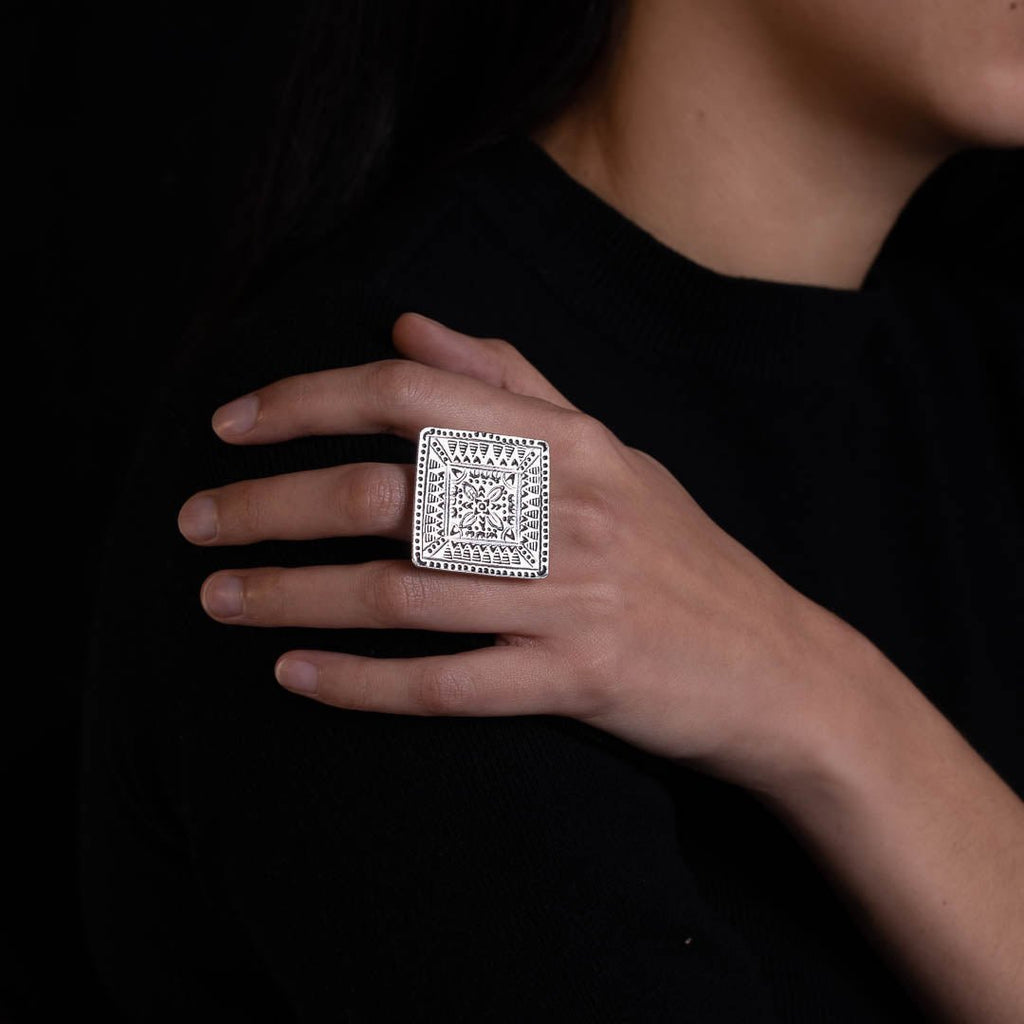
x: 132, y: 129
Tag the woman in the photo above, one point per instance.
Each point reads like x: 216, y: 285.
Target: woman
x: 709, y: 768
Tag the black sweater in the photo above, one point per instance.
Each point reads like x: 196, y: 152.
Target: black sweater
x: 253, y: 854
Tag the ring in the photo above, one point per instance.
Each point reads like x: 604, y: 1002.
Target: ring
x: 481, y: 503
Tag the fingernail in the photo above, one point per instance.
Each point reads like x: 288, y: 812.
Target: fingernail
x: 300, y: 676
x: 237, y: 417
x: 197, y: 519
x: 222, y: 597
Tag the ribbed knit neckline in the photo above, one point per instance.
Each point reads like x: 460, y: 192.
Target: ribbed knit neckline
x: 629, y: 285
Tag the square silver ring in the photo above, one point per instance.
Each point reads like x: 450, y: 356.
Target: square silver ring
x: 481, y: 503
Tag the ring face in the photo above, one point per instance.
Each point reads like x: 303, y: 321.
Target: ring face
x: 481, y: 503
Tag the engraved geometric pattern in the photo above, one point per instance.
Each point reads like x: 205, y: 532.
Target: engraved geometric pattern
x: 481, y: 503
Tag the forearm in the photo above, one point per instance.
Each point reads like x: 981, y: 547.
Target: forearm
x: 925, y: 838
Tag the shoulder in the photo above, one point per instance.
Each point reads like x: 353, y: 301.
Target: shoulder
x: 423, y: 247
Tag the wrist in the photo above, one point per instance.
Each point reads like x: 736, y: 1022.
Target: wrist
x: 865, y: 725
x: 849, y: 707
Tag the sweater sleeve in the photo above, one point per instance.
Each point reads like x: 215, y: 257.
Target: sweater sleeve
x: 248, y: 852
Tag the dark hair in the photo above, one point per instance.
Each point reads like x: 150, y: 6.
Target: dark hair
x: 373, y: 91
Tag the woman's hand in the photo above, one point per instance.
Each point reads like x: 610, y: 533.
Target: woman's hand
x: 653, y: 624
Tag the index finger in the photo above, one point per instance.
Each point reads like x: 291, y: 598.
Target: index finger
x: 391, y: 396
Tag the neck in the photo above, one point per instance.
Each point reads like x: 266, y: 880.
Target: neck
x: 748, y: 162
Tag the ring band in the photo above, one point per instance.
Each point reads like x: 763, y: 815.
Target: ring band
x: 481, y: 503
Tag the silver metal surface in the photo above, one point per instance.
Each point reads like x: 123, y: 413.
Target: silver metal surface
x: 481, y: 503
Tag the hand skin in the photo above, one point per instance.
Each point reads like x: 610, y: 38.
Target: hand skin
x: 698, y: 653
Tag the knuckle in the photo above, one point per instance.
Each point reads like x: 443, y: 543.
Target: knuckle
x: 249, y: 510
x: 502, y: 349
x: 639, y: 453
x: 398, y: 383
x: 372, y: 496
x: 587, y: 437
x: 597, y: 673
x: 504, y: 363
x: 396, y: 595
x: 297, y: 395
x: 362, y: 692
x: 445, y: 690
x: 263, y: 595
x: 598, y: 601
x: 592, y: 517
